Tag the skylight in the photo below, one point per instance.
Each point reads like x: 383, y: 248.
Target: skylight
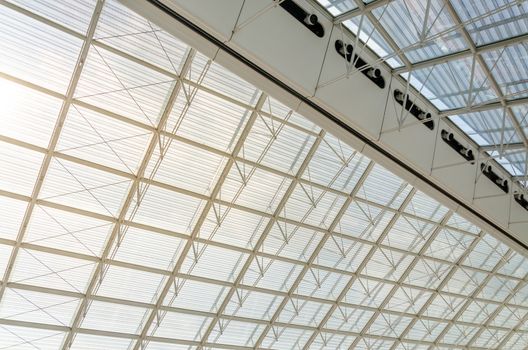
x: 151, y: 199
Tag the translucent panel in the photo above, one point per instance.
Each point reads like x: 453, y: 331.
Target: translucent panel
x: 349, y: 319
x: 429, y: 32
x: 5, y: 253
x: 323, y: 284
x: 449, y: 245
x: 27, y: 115
x: 59, y: 229
x: 234, y: 227
x: 189, y: 327
x: 167, y: 209
x: 409, y: 234
x: 459, y: 334
x: 498, y: 288
x: 373, y: 343
x: 477, y: 312
x: 25, y: 338
x: 149, y: 249
x: 458, y: 222
x: 179, y: 160
x: 262, y: 191
x: 74, y: 14
x: 89, y: 135
x: 444, y: 306
x: 20, y: 168
x: 122, y: 86
x: 328, y: 341
x: 343, y: 254
x: 337, y: 7
x: 510, y: 69
x: 464, y: 281
x: 487, y: 253
x: 336, y: 165
x: 128, y: 284
x: 36, y: 52
x: 37, y: 307
x: 215, y: 77
x: 208, y: 120
x: 368, y: 292
x: 82, y: 187
x: 424, y: 206
x: 13, y: 213
x: 303, y: 312
x: 197, y: 295
x: 409, y: 300
x: 516, y: 265
x: 236, y: 333
x: 428, y: 273
x: 93, y: 342
x: 127, y: 31
x: 277, y: 145
x: 285, y: 338
x: 426, y: 330
x: 389, y: 324
x: 45, y: 270
x: 271, y: 274
x: 274, y: 108
x: 486, y: 128
x: 492, y: 20
x: 509, y: 317
x: 214, y: 262
x: 387, y: 264
x: 313, y: 206
x: 253, y: 304
x: 114, y: 317
x: 454, y: 84
x: 384, y: 188
x: 291, y: 241
x: 364, y: 221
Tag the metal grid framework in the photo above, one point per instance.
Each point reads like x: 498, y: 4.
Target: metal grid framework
x: 469, y: 58
x: 153, y: 200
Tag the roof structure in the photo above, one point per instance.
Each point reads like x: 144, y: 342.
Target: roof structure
x: 469, y: 58
x: 151, y: 199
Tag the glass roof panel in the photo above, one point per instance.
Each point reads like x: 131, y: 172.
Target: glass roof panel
x: 210, y: 225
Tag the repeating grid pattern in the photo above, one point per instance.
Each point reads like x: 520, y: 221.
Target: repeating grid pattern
x: 468, y: 58
x: 153, y: 200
